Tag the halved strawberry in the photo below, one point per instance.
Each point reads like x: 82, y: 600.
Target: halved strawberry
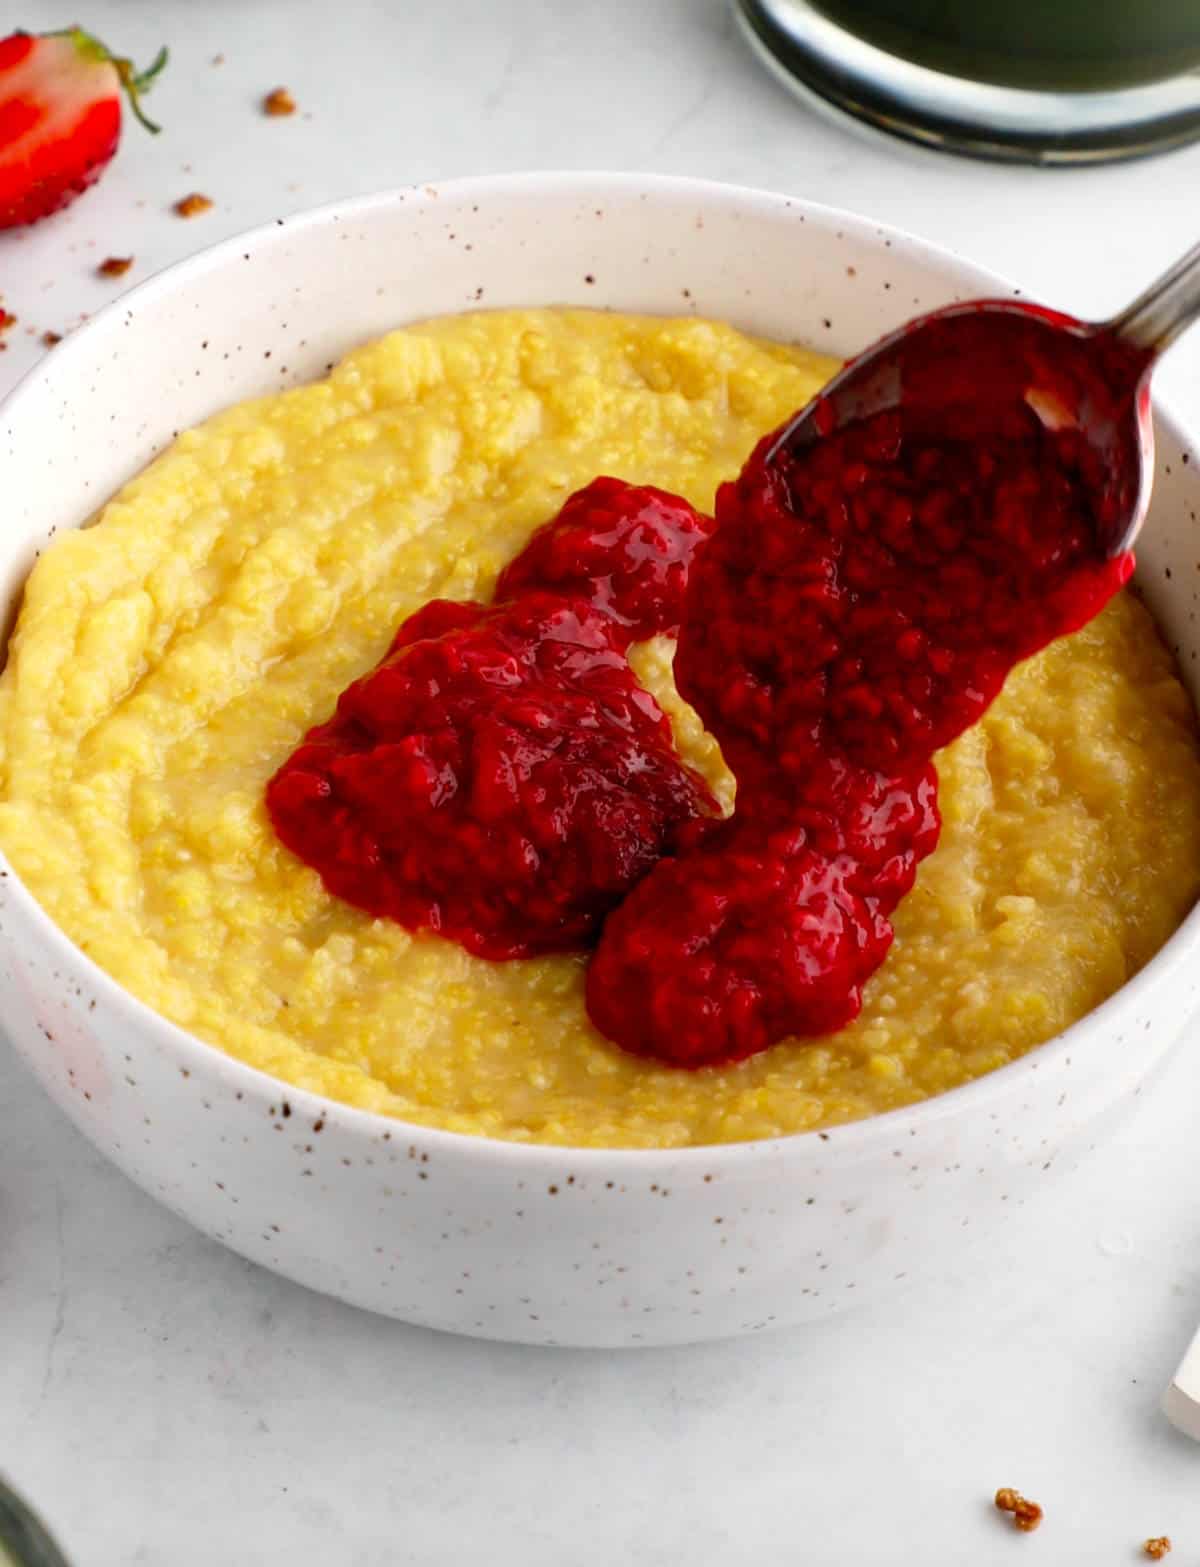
x: 60, y: 118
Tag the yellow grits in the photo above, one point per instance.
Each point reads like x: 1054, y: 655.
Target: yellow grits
x: 168, y: 658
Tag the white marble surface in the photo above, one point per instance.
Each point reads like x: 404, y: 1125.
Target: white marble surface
x: 162, y: 1401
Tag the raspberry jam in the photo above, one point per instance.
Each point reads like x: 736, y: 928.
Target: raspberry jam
x: 502, y: 779
x: 859, y: 606
x: 625, y: 549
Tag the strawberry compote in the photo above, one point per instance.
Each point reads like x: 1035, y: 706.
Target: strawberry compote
x: 859, y: 605
x: 501, y: 777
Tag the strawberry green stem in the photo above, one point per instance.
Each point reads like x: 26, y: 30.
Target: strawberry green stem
x: 133, y: 82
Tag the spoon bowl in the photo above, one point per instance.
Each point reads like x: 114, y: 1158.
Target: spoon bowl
x: 954, y: 367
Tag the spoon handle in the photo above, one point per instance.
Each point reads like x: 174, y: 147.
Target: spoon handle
x: 1156, y: 317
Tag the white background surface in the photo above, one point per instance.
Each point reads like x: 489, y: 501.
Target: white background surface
x: 163, y: 1402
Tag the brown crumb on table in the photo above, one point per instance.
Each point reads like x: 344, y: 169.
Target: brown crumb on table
x: 1157, y: 1548
x: 218, y: 59
x: 50, y: 338
x: 115, y: 266
x: 6, y: 319
x: 192, y: 206
x: 279, y: 102
x: 1026, y: 1515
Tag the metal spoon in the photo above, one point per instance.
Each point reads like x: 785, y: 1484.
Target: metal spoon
x: 1093, y: 375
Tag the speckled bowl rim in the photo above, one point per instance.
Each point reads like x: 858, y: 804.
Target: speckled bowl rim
x: 1180, y: 948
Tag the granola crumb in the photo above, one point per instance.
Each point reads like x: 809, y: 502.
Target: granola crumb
x: 7, y: 319
x: 279, y: 102
x: 115, y: 266
x: 192, y: 206
x: 1026, y: 1515
x: 50, y: 338
x: 1157, y: 1547
x: 218, y: 59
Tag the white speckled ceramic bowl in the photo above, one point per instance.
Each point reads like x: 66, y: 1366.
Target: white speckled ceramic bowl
x: 541, y: 1245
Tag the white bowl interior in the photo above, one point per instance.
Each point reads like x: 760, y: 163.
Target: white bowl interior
x: 281, y: 305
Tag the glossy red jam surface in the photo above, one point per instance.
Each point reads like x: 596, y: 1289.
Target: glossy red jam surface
x: 624, y: 548
x: 501, y: 777
x: 857, y: 608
